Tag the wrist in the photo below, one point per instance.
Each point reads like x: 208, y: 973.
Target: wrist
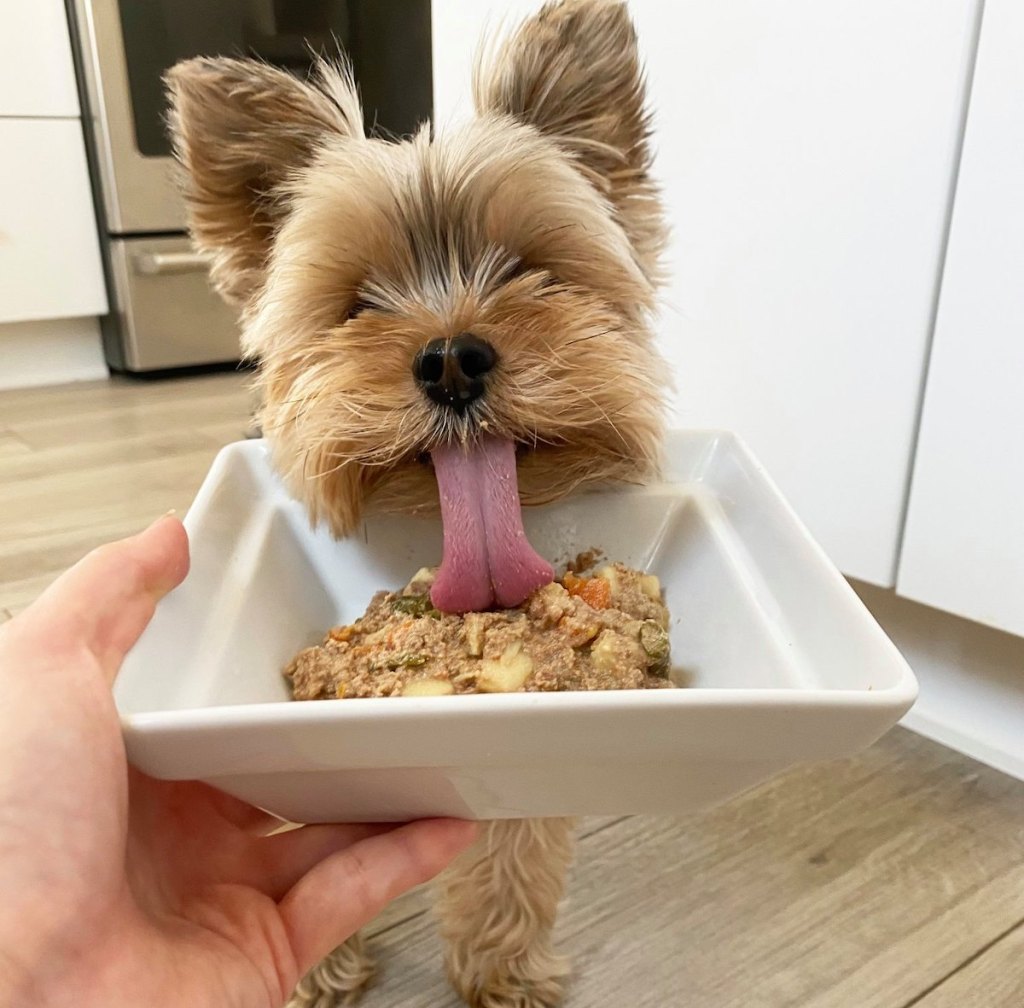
x: 37, y: 949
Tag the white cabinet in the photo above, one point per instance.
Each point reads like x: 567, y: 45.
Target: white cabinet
x: 807, y: 151
x: 51, y: 276
x: 37, y: 77
x: 49, y: 247
x: 964, y: 545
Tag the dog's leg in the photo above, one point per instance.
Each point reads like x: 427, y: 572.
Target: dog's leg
x: 497, y: 905
x: 337, y: 980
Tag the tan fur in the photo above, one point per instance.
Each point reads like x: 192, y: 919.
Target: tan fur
x: 497, y: 905
x: 537, y: 228
x: 338, y: 981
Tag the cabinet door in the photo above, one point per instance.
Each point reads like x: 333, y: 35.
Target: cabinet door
x: 49, y: 247
x: 37, y: 77
x: 964, y: 544
x: 806, y: 150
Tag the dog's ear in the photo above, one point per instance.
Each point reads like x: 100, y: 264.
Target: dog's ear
x: 572, y: 71
x: 240, y: 129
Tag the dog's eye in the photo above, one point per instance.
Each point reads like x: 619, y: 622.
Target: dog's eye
x: 358, y: 307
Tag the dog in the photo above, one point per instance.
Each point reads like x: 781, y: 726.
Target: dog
x: 429, y: 310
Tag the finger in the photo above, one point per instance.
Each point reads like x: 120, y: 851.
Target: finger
x: 105, y: 601
x: 281, y: 860
x: 337, y: 897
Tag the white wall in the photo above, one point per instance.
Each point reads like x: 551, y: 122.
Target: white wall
x: 50, y: 352
x: 458, y: 26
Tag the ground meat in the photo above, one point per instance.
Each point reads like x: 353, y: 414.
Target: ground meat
x: 584, y: 561
x: 607, y: 631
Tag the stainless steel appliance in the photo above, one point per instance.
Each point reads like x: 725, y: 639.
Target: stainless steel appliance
x: 164, y: 314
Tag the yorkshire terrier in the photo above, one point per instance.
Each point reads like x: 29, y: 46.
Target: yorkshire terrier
x: 436, y: 319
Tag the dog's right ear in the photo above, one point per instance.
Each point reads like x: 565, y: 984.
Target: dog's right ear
x: 240, y: 129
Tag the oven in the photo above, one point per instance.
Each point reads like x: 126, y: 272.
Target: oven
x: 164, y: 314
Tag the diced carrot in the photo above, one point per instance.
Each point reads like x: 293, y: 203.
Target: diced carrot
x: 572, y: 583
x: 596, y: 592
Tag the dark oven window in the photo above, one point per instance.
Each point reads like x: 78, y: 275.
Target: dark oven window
x: 388, y: 42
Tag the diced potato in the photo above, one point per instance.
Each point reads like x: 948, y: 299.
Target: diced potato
x: 428, y: 687
x: 580, y: 633
x: 603, y: 651
x: 473, y: 625
x: 650, y: 586
x: 611, y: 575
x: 421, y: 582
x: 507, y: 673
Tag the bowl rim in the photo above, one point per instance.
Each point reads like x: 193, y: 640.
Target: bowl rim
x: 291, y: 713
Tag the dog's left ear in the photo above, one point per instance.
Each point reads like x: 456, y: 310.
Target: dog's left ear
x: 573, y: 72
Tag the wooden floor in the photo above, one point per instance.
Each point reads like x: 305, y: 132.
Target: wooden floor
x: 885, y: 881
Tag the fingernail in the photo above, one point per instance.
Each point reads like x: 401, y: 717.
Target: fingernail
x: 161, y: 518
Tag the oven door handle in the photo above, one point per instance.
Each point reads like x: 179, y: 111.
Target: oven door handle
x: 162, y: 263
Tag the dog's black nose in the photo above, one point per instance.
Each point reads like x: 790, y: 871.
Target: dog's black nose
x: 452, y: 371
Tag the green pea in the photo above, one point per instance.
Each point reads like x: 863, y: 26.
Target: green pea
x: 654, y: 640
x: 412, y: 605
x: 406, y: 660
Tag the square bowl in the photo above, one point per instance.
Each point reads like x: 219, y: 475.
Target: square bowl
x: 782, y: 662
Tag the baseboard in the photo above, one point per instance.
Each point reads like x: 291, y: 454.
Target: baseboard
x: 971, y: 676
x: 50, y: 352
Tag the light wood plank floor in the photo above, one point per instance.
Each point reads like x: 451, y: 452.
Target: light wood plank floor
x: 889, y: 880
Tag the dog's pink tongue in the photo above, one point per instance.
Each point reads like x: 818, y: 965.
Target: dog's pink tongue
x: 487, y: 557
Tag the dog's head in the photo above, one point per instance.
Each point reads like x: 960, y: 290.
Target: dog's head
x: 441, y: 298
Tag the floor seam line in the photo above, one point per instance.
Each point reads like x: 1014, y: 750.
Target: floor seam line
x: 973, y: 957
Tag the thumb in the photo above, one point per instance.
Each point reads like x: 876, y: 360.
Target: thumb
x: 106, y: 600
x: 347, y: 890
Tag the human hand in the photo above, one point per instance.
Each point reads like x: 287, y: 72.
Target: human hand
x: 121, y: 889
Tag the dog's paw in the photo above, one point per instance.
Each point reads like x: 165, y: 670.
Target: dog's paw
x: 535, y: 983
x: 338, y: 981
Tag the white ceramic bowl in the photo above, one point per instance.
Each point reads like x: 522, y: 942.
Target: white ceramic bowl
x: 784, y: 663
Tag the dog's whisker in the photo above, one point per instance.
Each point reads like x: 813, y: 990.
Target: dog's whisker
x: 597, y: 335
